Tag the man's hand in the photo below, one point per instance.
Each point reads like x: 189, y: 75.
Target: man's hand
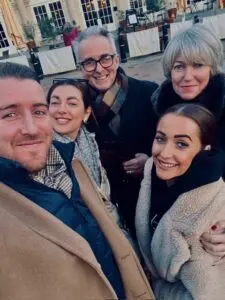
x: 214, y: 241
x: 135, y: 167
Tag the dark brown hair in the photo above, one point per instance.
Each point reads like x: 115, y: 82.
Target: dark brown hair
x: 205, y: 120
x: 81, y: 85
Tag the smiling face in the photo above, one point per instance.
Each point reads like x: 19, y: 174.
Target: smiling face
x: 189, y: 80
x: 67, y: 110
x: 176, y: 143
x: 25, y: 125
x: 95, y: 48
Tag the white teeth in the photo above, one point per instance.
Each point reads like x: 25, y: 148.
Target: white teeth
x: 167, y: 165
x: 101, y: 78
x: 62, y: 121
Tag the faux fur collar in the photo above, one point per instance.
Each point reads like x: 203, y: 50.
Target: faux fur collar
x: 213, y: 97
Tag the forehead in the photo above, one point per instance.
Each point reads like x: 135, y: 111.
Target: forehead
x: 95, y: 46
x: 20, y: 92
x: 172, y: 124
x: 67, y: 91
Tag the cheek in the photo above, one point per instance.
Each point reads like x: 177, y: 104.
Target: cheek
x: 155, y: 149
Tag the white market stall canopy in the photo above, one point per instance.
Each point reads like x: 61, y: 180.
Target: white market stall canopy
x: 18, y: 59
x: 214, y: 23
x: 143, y: 42
x: 57, y: 60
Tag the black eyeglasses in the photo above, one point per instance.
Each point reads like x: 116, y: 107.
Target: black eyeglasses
x: 105, y: 61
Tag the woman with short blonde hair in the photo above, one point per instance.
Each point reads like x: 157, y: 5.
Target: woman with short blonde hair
x: 192, y: 64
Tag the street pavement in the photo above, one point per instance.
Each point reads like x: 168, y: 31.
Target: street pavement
x: 145, y: 68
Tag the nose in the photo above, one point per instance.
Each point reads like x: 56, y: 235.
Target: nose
x: 62, y: 108
x: 99, y: 68
x: 188, y: 73
x: 29, y: 126
x: 167, y: 151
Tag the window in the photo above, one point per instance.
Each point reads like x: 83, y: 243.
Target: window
x: 3, y: 39
x: 90, y: 13
x: 105, y: 12
x: 40, y: 13
x: 138, y: 5
x: 57, y: 14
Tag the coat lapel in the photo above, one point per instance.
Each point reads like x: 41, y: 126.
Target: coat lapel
x: 127, y: 261
x: 48, y: 226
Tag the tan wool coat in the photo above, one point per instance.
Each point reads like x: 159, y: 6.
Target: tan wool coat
x: 181, y: 268
x: 42, y: 259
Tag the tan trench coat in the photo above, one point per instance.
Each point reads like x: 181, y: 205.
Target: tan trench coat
x: 42, y: 259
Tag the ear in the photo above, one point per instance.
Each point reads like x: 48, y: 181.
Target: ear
x: 117, y: 60
x: 87, y: 114
x: 207, y: 148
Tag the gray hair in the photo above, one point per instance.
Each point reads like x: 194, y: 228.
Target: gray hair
x: 94, y: 31
x: 196, y: 44
x: 14, y: 70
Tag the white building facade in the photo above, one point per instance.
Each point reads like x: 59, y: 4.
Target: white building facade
x: 85, y: 13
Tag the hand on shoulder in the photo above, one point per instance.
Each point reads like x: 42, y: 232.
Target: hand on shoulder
x: 214, y: 241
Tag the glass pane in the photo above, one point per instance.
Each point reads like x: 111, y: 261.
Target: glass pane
x: 59, y: 5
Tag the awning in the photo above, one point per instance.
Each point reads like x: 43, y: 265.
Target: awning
x: 12, y: 26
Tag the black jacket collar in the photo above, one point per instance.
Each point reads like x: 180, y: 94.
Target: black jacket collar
x: 213, y: 97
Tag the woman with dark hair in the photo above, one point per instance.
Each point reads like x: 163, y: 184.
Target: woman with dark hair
x: 70, y: 107
x: 181, y: 196
x: 192, y: 64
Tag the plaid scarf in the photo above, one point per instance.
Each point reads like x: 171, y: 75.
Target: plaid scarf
x: 112, y: 101
x: 55, y: 174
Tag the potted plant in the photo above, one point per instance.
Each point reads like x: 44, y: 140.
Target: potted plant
x: 29, y: 31
x: 49, y: 31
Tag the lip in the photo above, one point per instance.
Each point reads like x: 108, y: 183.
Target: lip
x: 165, y: 165
x: 101, y: 77
x: 62, y: 121
x: 187, y: 86
x: 29, y: 143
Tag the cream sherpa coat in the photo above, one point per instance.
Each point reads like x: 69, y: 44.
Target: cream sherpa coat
x: 182, y: 270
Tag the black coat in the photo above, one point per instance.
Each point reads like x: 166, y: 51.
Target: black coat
x: 136, y: 134
x: 212, y: 98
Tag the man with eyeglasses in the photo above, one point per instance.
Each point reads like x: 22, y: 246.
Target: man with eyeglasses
x: 123, y: 117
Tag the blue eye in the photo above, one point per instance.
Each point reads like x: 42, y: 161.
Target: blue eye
x: 160, y: 139
x: 197, y: 65
x: 178, y: 67
x: 182, y: 145
x: 41, y: 112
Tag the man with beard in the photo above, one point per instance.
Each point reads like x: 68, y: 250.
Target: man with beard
x: 123, y: 117
x: 54, y: 243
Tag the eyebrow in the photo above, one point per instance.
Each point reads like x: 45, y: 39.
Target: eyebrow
x: 40, y: 104
x: 68, y: 98
x: 92, y: 58
x: 16, y: 106
x: 8, y: 106
x: 177, y: 136
x: 162, y: 133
